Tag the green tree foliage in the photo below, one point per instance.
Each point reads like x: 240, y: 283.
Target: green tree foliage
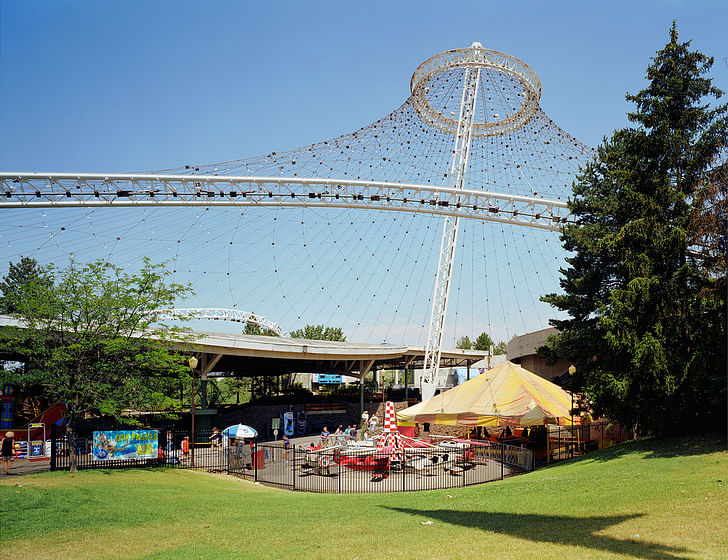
x: 464, y: 342
x: 319, y: 332
x: 21, y: 274
x: 252, y: 327
x: 234, y: 390
x: 645, y: 289
x: 256, y: 386
x: 483, y: 342
x: 500, y: 348
x: 82, y: 340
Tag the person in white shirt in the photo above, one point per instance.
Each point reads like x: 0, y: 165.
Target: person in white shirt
x: 373, y: 425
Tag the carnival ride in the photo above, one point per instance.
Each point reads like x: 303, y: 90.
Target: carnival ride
x: 390, y: 451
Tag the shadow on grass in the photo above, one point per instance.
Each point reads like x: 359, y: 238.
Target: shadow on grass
x: 653, y: 448
x: 555, y: 529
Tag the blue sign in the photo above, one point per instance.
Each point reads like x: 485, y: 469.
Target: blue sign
x: 331, y: 379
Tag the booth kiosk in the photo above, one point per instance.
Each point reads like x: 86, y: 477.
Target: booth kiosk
x: 36, y: 447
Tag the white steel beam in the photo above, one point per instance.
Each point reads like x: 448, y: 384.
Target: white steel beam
x: 69, y: 190
x: 461, y: 152
x: 220, y: 314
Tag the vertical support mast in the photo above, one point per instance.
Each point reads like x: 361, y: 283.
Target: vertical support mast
x: 441, y: 292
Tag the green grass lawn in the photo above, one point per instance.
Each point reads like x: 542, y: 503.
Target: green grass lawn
x: 652, y: 500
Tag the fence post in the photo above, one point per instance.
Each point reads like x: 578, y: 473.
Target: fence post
x: 255, y: 460
x: 464, y: 471
x: 53, y: 447
x: 294, y: 459
x: 404, y: 473
x: 560, y: 444
x: 571, y: 440
x: 503, y: 450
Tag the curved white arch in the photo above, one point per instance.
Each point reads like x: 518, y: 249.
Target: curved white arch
x: 221, y: 314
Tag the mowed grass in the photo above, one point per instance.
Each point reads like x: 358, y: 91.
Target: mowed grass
x: 650, y: 499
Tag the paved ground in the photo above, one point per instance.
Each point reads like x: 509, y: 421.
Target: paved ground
x: 24, y: 466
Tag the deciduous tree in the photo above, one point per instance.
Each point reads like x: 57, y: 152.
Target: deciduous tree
x: 319, y: 332
x: 87, y: 337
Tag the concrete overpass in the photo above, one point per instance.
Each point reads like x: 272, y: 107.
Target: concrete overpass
x: 255, y: 355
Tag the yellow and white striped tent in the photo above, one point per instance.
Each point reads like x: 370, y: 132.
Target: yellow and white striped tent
x: 507, y: 395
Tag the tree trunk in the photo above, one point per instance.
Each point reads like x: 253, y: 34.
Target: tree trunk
x: 71, y: 442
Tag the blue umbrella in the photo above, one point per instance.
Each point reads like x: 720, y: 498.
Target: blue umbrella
x: 240, y: 431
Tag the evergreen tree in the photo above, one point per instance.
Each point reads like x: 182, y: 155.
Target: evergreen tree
x: 500, y: 348
x: 464, y: 343
x: 483, y: 342
x: 647, y: 321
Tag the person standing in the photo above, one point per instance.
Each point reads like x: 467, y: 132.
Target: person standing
x: 373, y: 425
x: 364, y: 427
x: 185, y: 447
x: 215, y: 438
x: 339, y: 433
x: 325, y: 437
x: 169, y: 449
x: 7, y: 450
x: 286, y: 447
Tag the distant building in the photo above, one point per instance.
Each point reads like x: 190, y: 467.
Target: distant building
x: 522, y: 350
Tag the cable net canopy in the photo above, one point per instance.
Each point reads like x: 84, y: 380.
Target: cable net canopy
x: 516, y: 148
x: 369, y: 272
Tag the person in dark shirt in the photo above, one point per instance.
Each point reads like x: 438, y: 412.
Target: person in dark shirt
x: 7, y: 450
x: 215, y: 438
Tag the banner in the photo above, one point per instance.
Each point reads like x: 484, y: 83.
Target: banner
x: 131, y: 444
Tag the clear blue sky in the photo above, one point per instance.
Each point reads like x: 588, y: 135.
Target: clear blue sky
x: 132, y: 86
x: 114, y: 86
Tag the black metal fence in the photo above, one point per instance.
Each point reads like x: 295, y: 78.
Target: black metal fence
x: 337, y: 469
x: 173, y: 448
x: 349, y: 468
x: 363, y: 470
x: 565, y: 442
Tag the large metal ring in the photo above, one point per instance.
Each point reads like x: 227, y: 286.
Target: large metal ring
x: 517, y: 106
